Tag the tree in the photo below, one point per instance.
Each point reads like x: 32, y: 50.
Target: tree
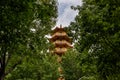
x: 71, y: 65
x: 38, y: 67
x: 97, y: 30
x: 22, y: 29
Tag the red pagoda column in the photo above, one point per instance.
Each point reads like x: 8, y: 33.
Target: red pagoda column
x: 61, y: 42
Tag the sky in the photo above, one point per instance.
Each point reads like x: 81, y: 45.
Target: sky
x: 65, y: 13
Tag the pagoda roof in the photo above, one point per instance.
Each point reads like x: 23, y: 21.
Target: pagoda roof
x: 60, y: 38
x: 62, y: 43
x: 59, y: 34
x: 57, y: 29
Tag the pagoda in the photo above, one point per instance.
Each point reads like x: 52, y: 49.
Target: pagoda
x: 61, y: 43
x: 60, y: 40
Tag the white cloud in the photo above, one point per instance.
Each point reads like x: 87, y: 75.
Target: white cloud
x: 74, y: 2
x: 66, y: 14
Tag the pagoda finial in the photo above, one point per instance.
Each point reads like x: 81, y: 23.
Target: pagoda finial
x: 60, y: 25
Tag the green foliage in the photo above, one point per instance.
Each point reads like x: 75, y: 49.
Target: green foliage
x: 96, y: 29
x: 78, y: 66
x: 113, y: 77
x: 23, y: 27
x: 71, y: 65
x: 24, y: 48
x: 33, y: 69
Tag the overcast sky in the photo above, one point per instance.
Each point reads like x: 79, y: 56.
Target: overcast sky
x: 65, y: 13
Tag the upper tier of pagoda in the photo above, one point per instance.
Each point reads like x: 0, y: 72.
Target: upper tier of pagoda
x: 59, y: 34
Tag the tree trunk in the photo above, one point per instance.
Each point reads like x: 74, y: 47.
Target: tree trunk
x: 2, y: 72
x: 2, y: 65
x: 2, y: 77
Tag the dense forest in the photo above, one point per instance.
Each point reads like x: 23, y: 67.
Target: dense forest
x: 24, y: 53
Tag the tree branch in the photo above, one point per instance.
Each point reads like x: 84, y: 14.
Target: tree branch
x: 7, y: 59
x: 108, y: 42
x: 13, y: 67
x: 2, y: 63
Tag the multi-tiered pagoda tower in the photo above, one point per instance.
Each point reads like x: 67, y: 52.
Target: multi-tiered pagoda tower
x: 61, y: 42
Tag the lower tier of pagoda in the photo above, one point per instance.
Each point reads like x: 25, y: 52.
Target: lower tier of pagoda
x: 60, y: 51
